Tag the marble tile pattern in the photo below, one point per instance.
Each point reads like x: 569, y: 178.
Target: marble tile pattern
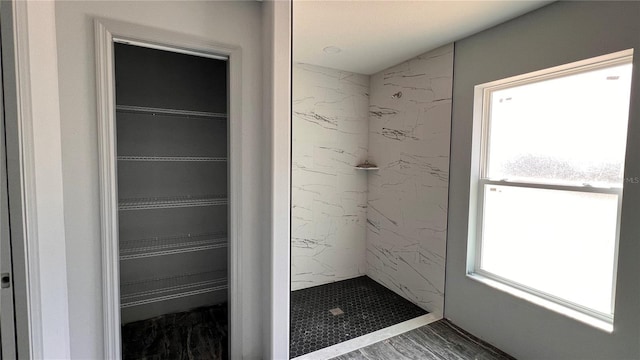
x: 407, y: 200
x: 365, y: 306
x: 200, y: 333
x: 329, y: 197
x: 441, y: 340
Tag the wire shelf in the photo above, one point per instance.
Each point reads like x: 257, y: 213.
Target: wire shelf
x: 169, y: 245
x: 171, y: 202
x: 161, y: 289
x: 171, y: 158
x: 172, y: 112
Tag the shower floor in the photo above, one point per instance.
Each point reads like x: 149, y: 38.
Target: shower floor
x: 329, y: 314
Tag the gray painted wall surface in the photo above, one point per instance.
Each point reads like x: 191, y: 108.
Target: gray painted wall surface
x: 328, y: 195
x: 232, y: 23
x: 557, y: 34
x: 407, y: 205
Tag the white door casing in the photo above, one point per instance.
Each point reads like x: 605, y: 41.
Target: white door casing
x: 106, y: 32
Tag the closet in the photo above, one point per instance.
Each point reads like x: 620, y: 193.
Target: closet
x: 172, y: 152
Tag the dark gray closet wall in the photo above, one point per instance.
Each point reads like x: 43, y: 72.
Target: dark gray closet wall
x: 163, y: 79
x: 172, y: 152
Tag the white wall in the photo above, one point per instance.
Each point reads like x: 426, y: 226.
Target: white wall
x: 232, y: 23
x: 557, y: 34
x: 35, y: 178
x: 407, y: 207
x: 277, y: 114
x: 328, y: 196
x: 49, y: 179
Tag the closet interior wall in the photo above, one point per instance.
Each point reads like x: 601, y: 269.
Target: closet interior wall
x: 172, y: 151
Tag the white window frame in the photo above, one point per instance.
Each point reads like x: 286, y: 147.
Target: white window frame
x: 479, y: 180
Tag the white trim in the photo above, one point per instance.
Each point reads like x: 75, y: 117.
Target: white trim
x: 235, y: 233
x: 106, y: 31
x: 35, y: 180
x: 108, y: 191
x: 479, y: 179
x: 550, y: 186
x: 348, y: 346
x: 276, y: 22
x: 26, y: 150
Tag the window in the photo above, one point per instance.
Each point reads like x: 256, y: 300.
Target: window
x: 547, y: 180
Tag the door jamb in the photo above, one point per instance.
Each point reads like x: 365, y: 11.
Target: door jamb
x: 21, y: 170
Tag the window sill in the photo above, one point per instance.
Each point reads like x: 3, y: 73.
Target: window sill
x: 547, y: 304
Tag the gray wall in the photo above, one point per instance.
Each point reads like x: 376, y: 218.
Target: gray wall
x: 557, y: 34
x: 407, y: 205
x: 328, y: 195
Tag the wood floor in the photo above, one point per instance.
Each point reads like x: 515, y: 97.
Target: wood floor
x: 440, y: 340
x: 197, y: 334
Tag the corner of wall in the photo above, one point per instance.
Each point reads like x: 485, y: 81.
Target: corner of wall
x: 276, y: 19
x: 39, y: 118
x: 409, y: 139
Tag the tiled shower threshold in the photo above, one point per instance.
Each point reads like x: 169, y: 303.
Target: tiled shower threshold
x: 370, y: 339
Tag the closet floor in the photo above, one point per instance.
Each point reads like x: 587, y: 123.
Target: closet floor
x: 197, y: 334
x: 329, y: 314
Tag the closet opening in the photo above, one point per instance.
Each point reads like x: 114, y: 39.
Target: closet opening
x: 172, y: 150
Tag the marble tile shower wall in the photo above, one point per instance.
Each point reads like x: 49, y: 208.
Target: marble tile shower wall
x: 329, y: 197
x: 407, y: 201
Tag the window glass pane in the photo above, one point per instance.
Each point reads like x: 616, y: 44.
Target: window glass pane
x: 567, y: 130
x: 559, y: 242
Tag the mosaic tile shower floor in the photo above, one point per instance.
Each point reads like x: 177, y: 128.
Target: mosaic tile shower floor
x: 197, y: 334
x: 366, y: 307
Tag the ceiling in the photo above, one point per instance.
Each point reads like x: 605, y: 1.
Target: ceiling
x: 374, y: 35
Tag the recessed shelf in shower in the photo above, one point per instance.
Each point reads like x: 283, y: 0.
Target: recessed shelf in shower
x: 367, y: 166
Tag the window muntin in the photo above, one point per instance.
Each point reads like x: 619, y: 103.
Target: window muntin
x: 550, y: 182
